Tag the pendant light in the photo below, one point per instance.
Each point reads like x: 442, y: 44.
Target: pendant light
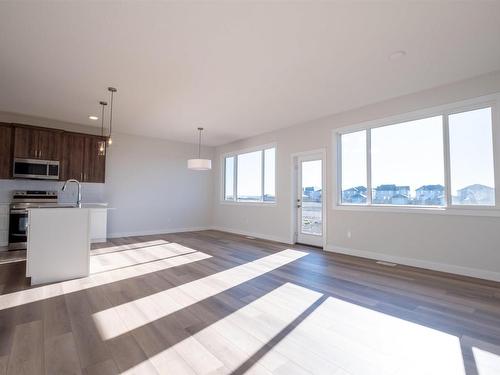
x: 112, y: 90
x: 101, y: 145
x: 200, y: 164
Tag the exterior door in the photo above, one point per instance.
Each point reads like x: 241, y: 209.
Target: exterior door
x: 310, y: 200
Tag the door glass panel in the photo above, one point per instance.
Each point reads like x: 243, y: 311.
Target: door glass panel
x: 312, y: 199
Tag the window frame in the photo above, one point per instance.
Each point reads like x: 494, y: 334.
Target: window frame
x: 489, y: 101
x: 235, y: 154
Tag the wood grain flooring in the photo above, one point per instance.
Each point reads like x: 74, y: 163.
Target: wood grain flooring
x: 210, y: 302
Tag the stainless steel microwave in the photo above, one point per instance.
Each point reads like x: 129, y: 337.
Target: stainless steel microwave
x: 37, y: 169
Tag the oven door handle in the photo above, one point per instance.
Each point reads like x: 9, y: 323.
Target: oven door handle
x: 18, y: 211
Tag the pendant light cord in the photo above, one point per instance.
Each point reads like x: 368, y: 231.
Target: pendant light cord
x: 102, y: 117
x: 111, y: 113
x: 199, y: 144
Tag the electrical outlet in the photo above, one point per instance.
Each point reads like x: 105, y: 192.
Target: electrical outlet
x: 349, y: 234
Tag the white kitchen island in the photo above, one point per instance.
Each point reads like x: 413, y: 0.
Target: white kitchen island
x: 58, y: 244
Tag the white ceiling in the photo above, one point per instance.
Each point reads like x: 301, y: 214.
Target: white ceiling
x: 238, y: 69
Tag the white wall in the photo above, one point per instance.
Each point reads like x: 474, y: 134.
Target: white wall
x: 462, y: 244
x: 147, y: 183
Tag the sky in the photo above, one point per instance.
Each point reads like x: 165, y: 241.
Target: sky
x: 311, y: 174
x: 411, y: 153
x: 249, y: 177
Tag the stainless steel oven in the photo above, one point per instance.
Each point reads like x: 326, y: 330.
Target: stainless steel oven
x: 37, y: 169
x: 18, y: 217
x: 18, y: 223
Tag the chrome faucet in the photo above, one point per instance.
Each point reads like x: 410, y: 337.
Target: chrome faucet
x: 79, y: 199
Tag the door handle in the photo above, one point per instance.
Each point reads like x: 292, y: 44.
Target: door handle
x: 298, y: 206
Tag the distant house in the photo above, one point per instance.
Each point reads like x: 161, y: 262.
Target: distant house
x: 400, y: 199
x: 385, y: 193
x: 308, y: 192
x: 429, y: 195
x: 358, y: 198
x: 316, y: 195
x: 354, y: 195
x: 476, y: 194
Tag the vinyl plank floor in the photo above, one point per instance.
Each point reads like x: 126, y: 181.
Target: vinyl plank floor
x: 61, y: 355
x: 26, y: 357
x: 209, y: 302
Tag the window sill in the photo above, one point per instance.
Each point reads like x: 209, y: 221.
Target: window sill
x: 242, y: 203
x: 461, y: 211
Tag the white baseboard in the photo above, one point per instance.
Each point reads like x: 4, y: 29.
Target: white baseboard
x: 98, y: 240
x: 194, y: 229
x: 156, y: 231
x: 449, y: 268
x: 252, y: 234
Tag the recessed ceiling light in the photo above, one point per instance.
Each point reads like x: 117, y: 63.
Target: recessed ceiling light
x: 397, y: 55
x: 94, y: 118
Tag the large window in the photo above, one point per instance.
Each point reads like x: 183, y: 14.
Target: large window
x: 444, y: 160
x: 250, y: 176
x: 354, y: 173
x: 229, y: 178
x: 407, y: 163
x: 471, y: 158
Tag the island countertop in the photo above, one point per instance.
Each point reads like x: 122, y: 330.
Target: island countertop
x: 71, y: 205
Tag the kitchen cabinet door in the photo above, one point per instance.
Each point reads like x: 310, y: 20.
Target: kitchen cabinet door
x: 25, y: 143
x: 72, y: 154
x: 49, y: 145
x: 5, y: 151
x: 94, y: 164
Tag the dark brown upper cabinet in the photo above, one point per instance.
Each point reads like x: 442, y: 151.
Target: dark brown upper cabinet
x: 33, y: 143
x: 71, y: 166
x: 5, y: 151
x: 25, y: 143
x: 49, y: 145
x: 94, y: 162
x: 81, y: 158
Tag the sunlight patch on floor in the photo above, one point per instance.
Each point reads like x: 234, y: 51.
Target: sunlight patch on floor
x: 362, y: 341
x: 129, y: 246
x: 125, y: 258
x: 142, y: 311
x: 487, y: 362
x: 70, y: 286
x: 228, y: 343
